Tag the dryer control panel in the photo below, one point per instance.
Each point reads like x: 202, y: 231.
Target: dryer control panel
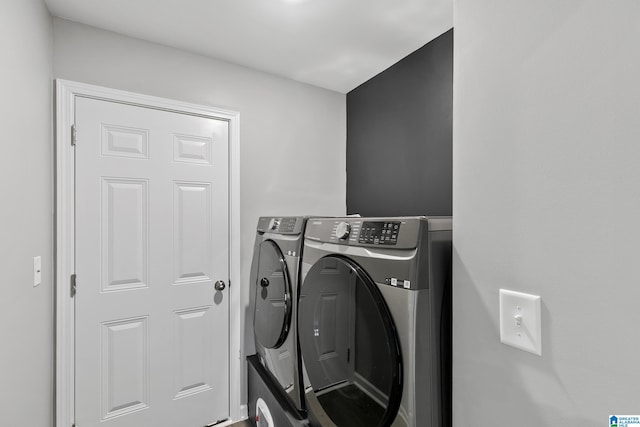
x: 368, y: 232
x: 390, y: 233
x: 387, y: 233
x: 379, y: 232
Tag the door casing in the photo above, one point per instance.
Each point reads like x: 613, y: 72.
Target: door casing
x: 66, y: 94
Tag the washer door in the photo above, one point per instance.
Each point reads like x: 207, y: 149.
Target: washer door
x: 273, y: 297
x: 349, y: 346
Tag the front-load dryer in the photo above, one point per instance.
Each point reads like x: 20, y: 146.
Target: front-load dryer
x: 274, y: 370
x: 374, y: 321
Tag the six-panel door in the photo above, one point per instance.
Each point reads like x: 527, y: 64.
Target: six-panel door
x: 152, y: 239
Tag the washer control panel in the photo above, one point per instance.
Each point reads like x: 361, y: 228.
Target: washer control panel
x: 281, y: 225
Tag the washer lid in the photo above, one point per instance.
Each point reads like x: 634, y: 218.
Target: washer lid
x: 349, y: 346
x: 273, y: 297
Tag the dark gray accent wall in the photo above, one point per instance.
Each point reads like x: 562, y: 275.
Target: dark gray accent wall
x: 399, y: 136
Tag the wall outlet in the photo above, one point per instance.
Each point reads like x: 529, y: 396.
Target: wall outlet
x: 520, y: 323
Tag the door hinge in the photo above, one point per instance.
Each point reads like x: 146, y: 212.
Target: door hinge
x: 348, y: 355
x: 73, y: 285
x: 74, y: 135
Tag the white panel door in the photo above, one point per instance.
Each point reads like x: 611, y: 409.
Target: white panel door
x: 152, y: 340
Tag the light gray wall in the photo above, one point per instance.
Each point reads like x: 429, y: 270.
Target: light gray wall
x: 292, y: 135
x: 546, y: 200
x: 26, y: 313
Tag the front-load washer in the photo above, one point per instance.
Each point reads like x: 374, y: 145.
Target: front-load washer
x: 374, y: 321
x: 274, y: 370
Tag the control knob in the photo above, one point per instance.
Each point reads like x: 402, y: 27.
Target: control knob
x: 343, y: 229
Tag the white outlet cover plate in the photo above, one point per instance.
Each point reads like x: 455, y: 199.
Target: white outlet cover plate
x: 527, y: 335
x: 37, y: 271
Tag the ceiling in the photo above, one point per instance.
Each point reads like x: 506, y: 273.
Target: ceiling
x: 334, y: 44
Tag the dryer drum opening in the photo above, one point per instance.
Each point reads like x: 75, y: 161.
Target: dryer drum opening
x: 349, y: 345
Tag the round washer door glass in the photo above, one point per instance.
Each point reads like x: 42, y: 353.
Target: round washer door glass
x: 349, y: 346
x: 273, y: 297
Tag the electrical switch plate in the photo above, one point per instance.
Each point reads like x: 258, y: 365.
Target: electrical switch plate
x: 37, y: 271
x: 520, y: 323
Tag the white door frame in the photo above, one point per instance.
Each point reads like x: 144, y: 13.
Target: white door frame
x: 66, y: 94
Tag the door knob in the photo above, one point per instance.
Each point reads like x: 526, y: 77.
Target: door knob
x: 264, y: 282
x: 219, y: 285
